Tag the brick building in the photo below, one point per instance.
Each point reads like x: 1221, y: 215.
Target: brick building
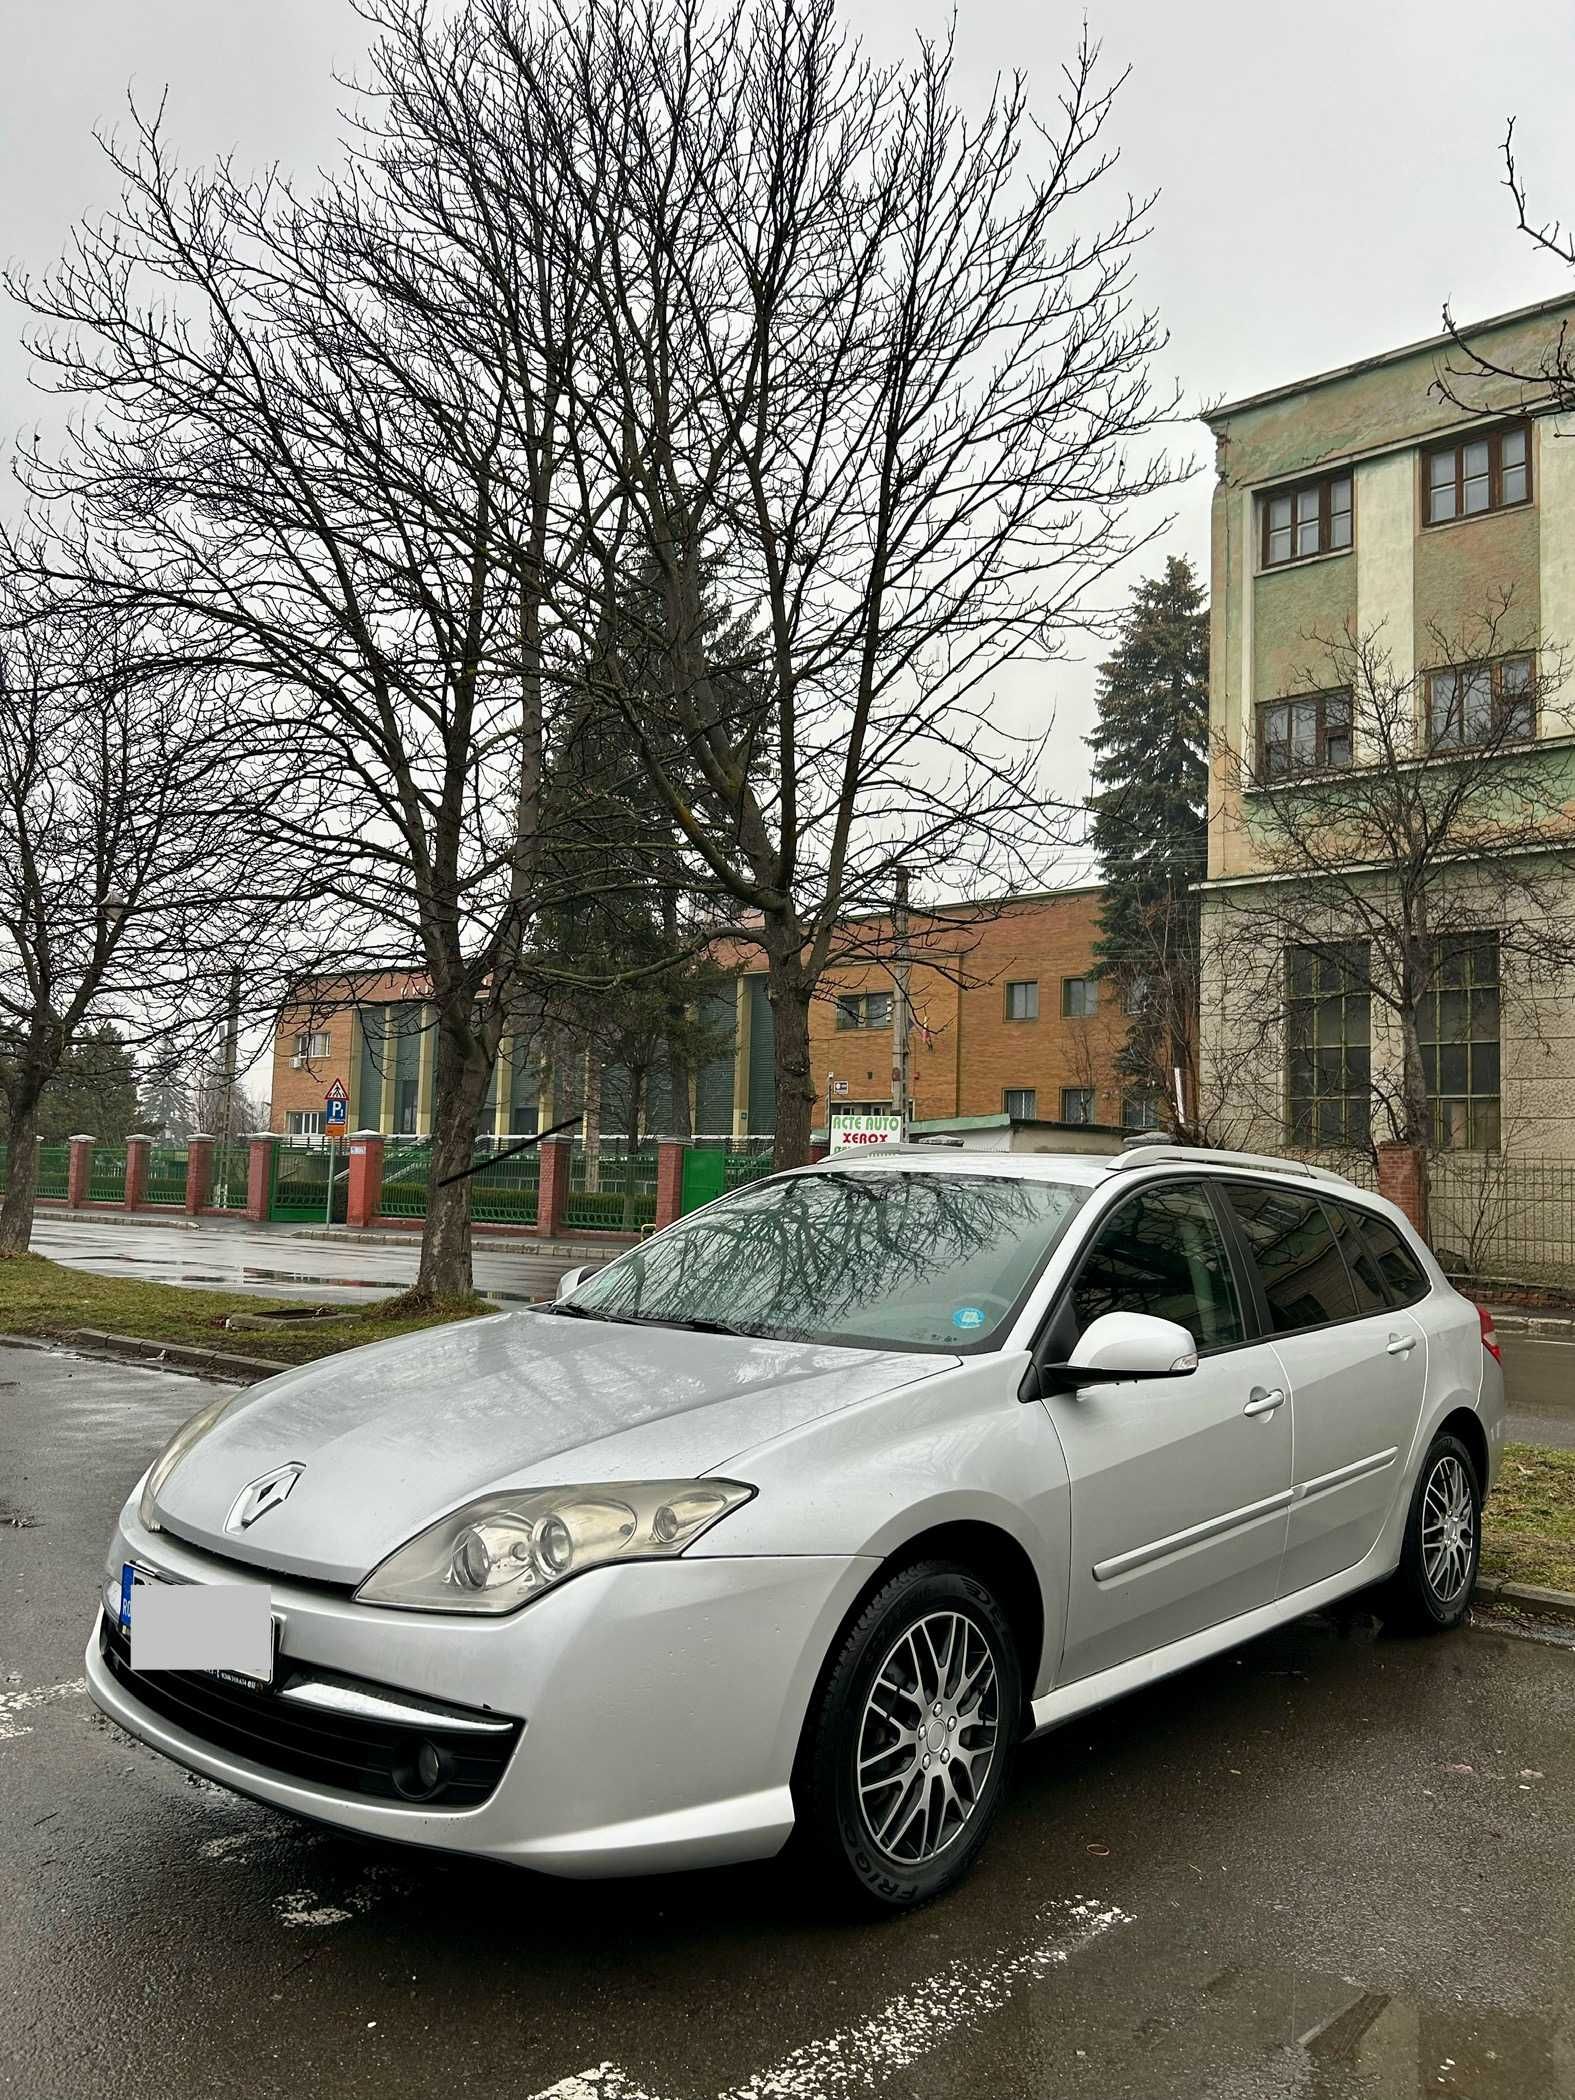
x: 1008, y: 1018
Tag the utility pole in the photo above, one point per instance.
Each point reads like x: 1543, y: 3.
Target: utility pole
x: 899, y: 1018
x: 232, y: 1037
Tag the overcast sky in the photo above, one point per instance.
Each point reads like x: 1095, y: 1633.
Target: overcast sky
x: 1329, y: 174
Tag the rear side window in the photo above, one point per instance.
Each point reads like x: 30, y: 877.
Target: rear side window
x: 1304, y: 1276
x: 1371, y: 1295
x: 1399, y: 1267
x: 1162, y: 1253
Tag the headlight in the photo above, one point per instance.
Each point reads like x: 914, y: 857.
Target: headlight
x: 496, y: 1554
x: 174, y: 1451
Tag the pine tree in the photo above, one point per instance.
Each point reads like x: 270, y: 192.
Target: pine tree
x: 1149, y: 826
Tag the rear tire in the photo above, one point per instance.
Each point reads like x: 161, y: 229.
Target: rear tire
x: 1431, y: 1589
x: 902, y: 1767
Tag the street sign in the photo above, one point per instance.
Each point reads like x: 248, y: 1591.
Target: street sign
x: 848, y: 1131
x: 336, y: 1110
x: 839, y: 1086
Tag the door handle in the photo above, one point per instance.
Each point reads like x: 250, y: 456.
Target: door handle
x: 1400, y: 1345
x: 1264, y: 1403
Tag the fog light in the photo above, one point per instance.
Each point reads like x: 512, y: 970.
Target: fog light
x: 424, y: 1770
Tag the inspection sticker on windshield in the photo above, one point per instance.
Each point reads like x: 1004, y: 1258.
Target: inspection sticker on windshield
x: 968, y: 1316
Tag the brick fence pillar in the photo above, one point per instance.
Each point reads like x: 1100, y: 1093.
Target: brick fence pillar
x: 199, y: 1173
x: 138, y: 1152
x: 553, y: 1193
x: 365, y: 1198
x: 259, y: 1177
x: 821, y: 1149
x: 79, y: 1167
x: 669, y: 1180
x: 1402, y: 1178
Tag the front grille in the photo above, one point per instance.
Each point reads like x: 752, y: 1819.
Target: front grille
x: 374, y: 1759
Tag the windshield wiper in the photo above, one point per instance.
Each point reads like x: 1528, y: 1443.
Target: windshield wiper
x: 571, y: 1311
x: 695, y: 1326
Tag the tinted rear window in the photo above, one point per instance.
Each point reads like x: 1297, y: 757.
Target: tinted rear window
x: 1371, y: 1294
x: 1304, y: 1276
x: 1399, y: 1267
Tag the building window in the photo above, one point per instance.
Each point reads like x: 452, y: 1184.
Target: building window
x: 1022, y: 1002
x: 1077, y: 1104
x: 1140, y: 1112
x: 1458, y: 1028
x: 1079, y: 997
x: 1479, y: 704
x: 1490, y: 472
x: 303, y: 1122
x: 1307, y: 735
x: 1021, y: 1103
x: 312, y: 1043
x: 1328, y: 1045
x: 864, y: 1010
x: 1135, y: 995
x: 1314, y: 518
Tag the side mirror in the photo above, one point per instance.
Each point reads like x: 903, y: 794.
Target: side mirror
x: 1123, y: 1345
x: 571, y: 1279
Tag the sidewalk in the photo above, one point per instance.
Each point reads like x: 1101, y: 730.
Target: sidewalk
x: 583, y: 1247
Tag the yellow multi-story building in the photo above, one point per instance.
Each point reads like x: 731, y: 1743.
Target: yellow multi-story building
x: 1407, y: 521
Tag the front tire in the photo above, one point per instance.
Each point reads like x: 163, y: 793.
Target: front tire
x: 1432, y: 1586
x: 903, y: 1765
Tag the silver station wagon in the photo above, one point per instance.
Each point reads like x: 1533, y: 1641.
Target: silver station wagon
x: 792, y: 1522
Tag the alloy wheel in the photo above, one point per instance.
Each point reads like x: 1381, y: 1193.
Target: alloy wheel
x: 1448, y: 1529
x: 928, y: 1737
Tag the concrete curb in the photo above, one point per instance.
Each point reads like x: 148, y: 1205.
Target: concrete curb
x: 1560, y: 1603
x: 184, y: 1357
x: 1549, y: 1326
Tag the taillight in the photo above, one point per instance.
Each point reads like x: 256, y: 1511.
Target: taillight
x: 1489, y: 1338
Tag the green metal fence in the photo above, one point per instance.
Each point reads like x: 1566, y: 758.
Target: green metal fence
x: 407, y: 1167
x: 300, y: 1184
x: 504, y: 1191
x: 166, y: 1175
x: 232, y: 1162
x: 54, y: 1171
x: 712, y: 1166
x: 107, y: 1174
x: 612, y: 1188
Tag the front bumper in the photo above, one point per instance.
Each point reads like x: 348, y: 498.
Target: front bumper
x: 662, y: 1705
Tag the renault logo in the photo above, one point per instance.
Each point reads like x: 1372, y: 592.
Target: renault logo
x: 259, y: 1496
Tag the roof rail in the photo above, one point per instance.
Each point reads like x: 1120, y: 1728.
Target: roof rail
x: 1209, y: 1156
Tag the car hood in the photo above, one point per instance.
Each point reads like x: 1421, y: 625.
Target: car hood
x: 392, y: 1437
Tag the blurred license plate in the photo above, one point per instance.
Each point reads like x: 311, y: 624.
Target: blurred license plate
x: 222, y: 1629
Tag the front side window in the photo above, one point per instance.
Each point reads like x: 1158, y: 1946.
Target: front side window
x: 1484, y: 473
x: 1021, y: 1103
x: 1161, y: 1253
x: 1077, y: 1104
x: 1328, y: 1044
x: 1458, y: 1029
x: 1079, y: 997
x: 1022, y: 1001
x: 878, y: 1259
x: 1314, y: 518
x: 1304, y: 1275
x: 1311, y: 734
x: 1475, y: 704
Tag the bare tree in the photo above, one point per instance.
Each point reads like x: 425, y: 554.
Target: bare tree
x: 865, y: 362
x: 1413, y: 855
x: 128, y: 868
x: 328, y: 432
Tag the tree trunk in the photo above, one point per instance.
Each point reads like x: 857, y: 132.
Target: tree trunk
x: 789, y: 990
x: 1415, y: 1109
x: 460, y: 1087
x: 21, y: 1180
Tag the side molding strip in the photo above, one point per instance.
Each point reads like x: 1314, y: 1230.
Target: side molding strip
x: 1211, y: 1527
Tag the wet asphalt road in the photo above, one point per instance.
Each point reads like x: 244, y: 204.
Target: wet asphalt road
x: 274, y: 1263
x: 1338, y: 1864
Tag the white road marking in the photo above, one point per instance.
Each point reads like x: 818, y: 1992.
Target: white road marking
x: 861, y: 2058
x: 14, y: 1703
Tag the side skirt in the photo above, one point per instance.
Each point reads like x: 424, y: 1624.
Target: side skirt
x: 1066, y: 1701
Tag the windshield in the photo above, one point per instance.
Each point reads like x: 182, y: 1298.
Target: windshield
x: 890, y: 1259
